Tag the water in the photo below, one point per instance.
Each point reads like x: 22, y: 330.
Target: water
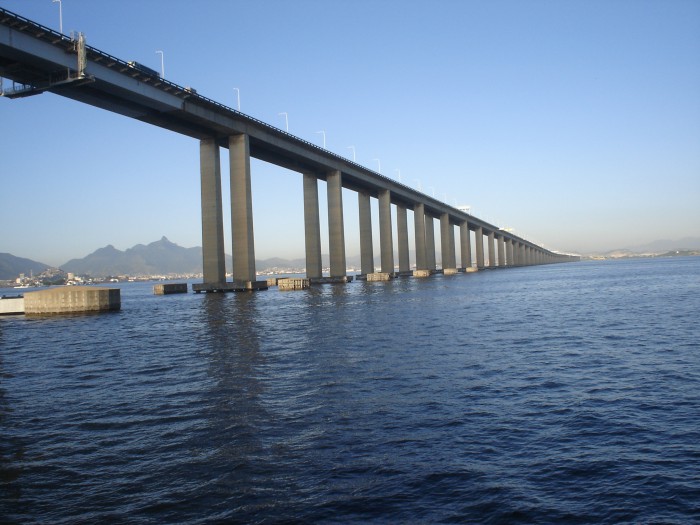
x: 561, y: 393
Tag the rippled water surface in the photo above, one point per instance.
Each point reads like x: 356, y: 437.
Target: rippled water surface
x: 560, y: 393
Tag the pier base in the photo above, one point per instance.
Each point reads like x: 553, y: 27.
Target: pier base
x: 421, y: 273
x: 235, y: 286
x: 331, y: 280
x: 167, y: 289
x: 293, y: 283
x: 379, y: 276
x: 449, y: 271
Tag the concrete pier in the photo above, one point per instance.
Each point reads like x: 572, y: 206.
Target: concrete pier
x: 430, y: 242
x: 336, y: 232
x: 479, y: 242
x: 379, y: 276
x: 72, y: 299
x: 419, y: 227
x: 402, y: 234
x: 293, y: 283
x: 492, y: 250
x: 366, y: 247
x: 241, y: 209
x: 465, y: 246
x: 501, y: 252
x: 171, y: 288
x: 386, y: 239
x: 312, y: 227
x: 213, y: 263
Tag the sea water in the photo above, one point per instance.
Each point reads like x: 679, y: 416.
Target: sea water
x: 549, y: 394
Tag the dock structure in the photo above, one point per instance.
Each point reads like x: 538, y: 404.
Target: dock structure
x: 39, y: 59
x: 170, y: 288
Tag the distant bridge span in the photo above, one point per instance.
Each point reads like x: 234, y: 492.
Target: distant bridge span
x: 38, y: 59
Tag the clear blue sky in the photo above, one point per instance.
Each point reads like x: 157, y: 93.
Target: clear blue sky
x: 576, y: 123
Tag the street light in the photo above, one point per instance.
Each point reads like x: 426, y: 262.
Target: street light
x: 432, y: 190
x: 60, y: 15
x: 286, y: 120
x: 379, y: 164
x: 419, y: 186
x: 238, y: 96
x: 353, y: 153
x: 399, y: 172
x: 162, y: 64
x: 323, y: 132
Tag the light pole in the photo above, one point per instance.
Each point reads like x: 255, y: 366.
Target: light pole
x: 323, y: 132
x: 399, y: 173
x: 60, y: 15
x: 353, y: 153
x: 420, y: 188
x: 286, y: 120
x: 238, y: 97
x: 162, y: 63
x: 432, y: 190
x: 379, y: 166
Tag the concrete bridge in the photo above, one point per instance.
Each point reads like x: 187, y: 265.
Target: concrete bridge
x: 37, y: 59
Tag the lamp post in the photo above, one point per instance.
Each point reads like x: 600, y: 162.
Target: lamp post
x: 60, y: 15
x: 432, y: 190
x: 379, y: 166
x: 420, y: 188
x: 353, y: 153
x: 398, y: 171
x: 238, y: 97
x: 162, y: 63
x: 286, y: 120
x: 323, y: 132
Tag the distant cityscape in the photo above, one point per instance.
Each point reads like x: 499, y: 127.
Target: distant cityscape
x: 56, y: 276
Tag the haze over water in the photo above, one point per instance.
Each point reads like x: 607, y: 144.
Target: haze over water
x: 560, y: 393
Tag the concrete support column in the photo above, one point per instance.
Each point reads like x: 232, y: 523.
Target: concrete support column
x: 430, y: 242
x: 479, y: 240
x: 451, y: 252
x: 312, y: 228
x: 501, y: 251
x: 445, y: 240
x: 419, y: 230
x: 366, y: 249
x: 386, y: 239
x: 402, y: 232
x: 241, y: 209
x: 465, y: 246
x: 213, y: 262
x: 336, y: 231
x: 492, y: 251
x: 509, y: 252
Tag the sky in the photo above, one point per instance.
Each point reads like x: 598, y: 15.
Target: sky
x: 574, y: 123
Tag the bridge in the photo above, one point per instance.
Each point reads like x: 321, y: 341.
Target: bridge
x: 38, y: 59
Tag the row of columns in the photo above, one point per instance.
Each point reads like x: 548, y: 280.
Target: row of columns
x: 510, y: 252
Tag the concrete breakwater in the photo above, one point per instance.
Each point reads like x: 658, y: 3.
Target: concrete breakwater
x: 72, y: 299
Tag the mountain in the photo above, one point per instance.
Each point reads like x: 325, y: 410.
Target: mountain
x: 665, y: 245
x: 157, y: 258
x: 11, y: 266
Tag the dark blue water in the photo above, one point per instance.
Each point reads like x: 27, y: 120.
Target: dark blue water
x: 561, y: 393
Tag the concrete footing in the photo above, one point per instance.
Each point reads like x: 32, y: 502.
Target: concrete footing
x: 13, y: 305
x: 379, y: 276
x: 72, y: 299
x: 293, y: 283
x: 331, y: 280
x: 235, y: 286
x: 449, y: 271
x: 421, y: 273
x: 167, y: 289
x: 471, y: 269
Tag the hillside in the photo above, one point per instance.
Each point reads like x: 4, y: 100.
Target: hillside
x: 11, y: 266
